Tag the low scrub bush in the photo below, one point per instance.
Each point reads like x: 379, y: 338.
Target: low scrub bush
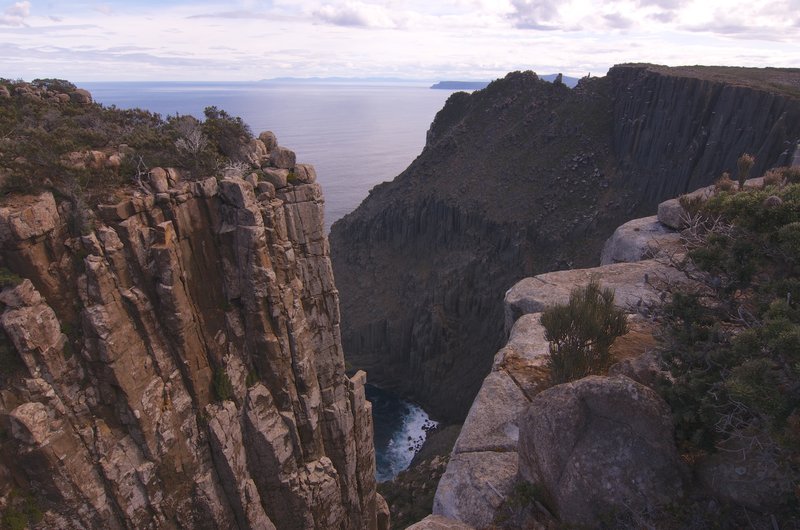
x: 581, y: 333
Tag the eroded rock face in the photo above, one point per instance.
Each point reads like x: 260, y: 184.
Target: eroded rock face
x: 600, y: 445
x: 180, y: 364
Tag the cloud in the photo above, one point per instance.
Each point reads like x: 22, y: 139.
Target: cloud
x: 663, y: 4
x: 356, y: 14
x: 664, y: 17
x: 534, y: 14
x: 15, y: 14
x: 245, y: 15
x: 617, y: 21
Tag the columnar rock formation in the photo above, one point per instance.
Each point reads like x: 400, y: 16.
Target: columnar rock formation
x: 176, y: 362
x: 526, y: 177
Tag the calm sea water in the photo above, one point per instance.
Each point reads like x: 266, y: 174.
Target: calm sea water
x: 355, y: 136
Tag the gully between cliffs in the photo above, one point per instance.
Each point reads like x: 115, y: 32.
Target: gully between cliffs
x: 525, y: 177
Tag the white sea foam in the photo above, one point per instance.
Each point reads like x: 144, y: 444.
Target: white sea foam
x: 407, y: 440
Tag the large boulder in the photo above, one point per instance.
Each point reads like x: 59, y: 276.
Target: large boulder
x: 269, y: 140
x: 279, y: 178
x: 282, y: 158
x: 639, y: 239
x: 305, y: 173
x: 599, y: 446
x: 83, y: 97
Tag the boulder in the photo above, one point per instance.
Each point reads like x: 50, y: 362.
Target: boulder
x: 282, y: 158
x: 639, y: 239
x: 207, y: 187
x: 269, y: 140
x: 266, y: 187
x: 256, y: 152
x: 81, y: 96
x: 279, y: 178
x: 173, y: 176
x: 114, y: 161
x: 600, y: 445
x: 672, y: 214
x: 305, y: 173
x: 158, y: 180
x: 437, y: 522
x: 4, y: 93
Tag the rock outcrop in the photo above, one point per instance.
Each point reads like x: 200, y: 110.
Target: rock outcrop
x: 496, y: 449
x: 178, y: 363
x: 526, y: 177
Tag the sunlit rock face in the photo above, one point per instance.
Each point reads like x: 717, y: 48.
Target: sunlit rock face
x: 177, y: 362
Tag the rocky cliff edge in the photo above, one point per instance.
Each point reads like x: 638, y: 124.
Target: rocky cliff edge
x: 174, y: 361
x: 599, y: 444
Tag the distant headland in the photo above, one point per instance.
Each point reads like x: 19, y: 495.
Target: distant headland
x: 478, y: 85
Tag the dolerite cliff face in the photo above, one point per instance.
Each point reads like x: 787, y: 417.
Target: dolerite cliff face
x: 179, y: 364
x: 525, y: 177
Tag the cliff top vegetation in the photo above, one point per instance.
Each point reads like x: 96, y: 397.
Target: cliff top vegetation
x: 52, y: 135
x: 732, y: 345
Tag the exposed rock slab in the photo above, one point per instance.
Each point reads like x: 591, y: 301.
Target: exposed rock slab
x: 475, y: 485
x: 633, y: 284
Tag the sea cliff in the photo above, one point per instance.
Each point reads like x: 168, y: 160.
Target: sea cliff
x: 176, y: 362
x: 526, y: 177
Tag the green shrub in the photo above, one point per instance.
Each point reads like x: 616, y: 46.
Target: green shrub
x: 581, y: 333
x: 743, y: 166
x: 252, y: 378
x: 8, y: 278
x: 223, y: 389
x: 43, y: 139
x: 733, y: 351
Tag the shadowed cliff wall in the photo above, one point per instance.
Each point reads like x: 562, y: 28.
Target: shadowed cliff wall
x: 526, y: 177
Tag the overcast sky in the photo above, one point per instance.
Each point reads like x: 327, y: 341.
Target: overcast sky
x: 416, y: 39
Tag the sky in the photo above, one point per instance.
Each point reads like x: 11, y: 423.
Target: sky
x: 244, y: 40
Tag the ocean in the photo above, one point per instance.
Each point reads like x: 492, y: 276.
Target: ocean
x: 356, y: 136
x: 400, y: 430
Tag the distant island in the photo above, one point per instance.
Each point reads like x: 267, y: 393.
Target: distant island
x: 477, y: 85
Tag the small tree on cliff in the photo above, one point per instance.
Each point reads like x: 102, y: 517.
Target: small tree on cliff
x: 581, y: 333
x: 743, y: 167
